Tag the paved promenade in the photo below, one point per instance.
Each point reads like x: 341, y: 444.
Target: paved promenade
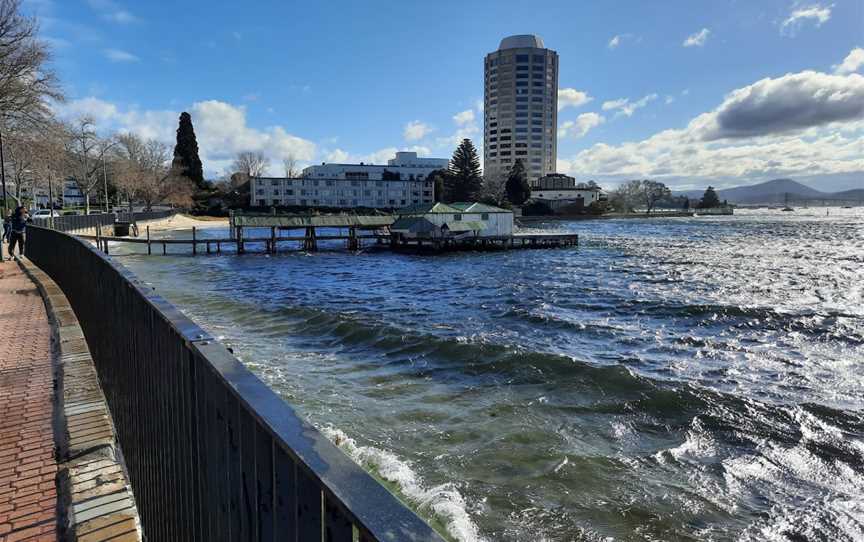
x: 28, y: 495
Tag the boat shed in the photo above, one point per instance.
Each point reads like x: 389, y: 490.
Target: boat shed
x: 440, y: 220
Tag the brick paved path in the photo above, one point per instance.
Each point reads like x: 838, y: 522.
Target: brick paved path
x: 28, y: 495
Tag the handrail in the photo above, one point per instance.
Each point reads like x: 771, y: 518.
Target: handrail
x: 212, y: 452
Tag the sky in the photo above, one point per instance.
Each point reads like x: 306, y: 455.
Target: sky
x: 727, y: 92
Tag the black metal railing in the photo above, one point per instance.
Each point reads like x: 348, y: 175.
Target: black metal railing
x: 212, y: 452
x: 78, y: 223
x: 73, y: 223
x: 144, y: 215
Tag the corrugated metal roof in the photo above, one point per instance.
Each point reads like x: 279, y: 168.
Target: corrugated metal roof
x: 428, y: 208
x: 475, y: 207
x: 413, y: 224
x: 458, y: 225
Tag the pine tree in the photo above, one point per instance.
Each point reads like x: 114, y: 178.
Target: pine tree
x: 517, y: 188
x: 186, y: 158
x: 465, y: 180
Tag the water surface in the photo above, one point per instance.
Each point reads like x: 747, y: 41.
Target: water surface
x: 674, y: 379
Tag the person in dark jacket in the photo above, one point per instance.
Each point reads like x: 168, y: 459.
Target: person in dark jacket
x: 16, y: 230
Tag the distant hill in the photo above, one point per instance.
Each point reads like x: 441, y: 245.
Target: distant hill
x: 775, y: 191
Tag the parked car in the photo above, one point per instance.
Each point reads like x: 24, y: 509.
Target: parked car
x: 45, y: 213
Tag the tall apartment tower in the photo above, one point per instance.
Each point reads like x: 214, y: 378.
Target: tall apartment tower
x: 521, y: 107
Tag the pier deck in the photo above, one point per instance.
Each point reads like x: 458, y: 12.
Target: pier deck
x: 354, y: 241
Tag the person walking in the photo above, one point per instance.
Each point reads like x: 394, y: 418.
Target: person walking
x: 7, y: 225
x: 16, y: 230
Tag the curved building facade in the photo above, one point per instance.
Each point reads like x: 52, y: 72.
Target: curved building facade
x: 520, y: 109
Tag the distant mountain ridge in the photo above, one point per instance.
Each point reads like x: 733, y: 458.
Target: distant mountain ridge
x: 776, y: 191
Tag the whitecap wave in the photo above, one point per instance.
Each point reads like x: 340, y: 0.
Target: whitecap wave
x: 444, y: 501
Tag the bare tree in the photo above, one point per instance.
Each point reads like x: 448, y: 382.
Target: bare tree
x: 290, y: 164
x: 251, y: 164
x: 21, y: 157
x: 83, y: 153
x: 27, y: 85
x: 50, y: 162
x: 494, y: 189
x: 143, y: 171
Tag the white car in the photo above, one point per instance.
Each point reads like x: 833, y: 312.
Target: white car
x: 45, y: 213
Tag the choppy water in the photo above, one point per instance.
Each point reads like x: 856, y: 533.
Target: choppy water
x: 680, y: 379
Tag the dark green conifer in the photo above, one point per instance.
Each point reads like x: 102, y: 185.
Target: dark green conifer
x: 517, y: 188
x: 186, y: 159
x: 465, y: 180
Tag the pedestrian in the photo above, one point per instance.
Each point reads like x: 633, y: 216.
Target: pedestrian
x: 16, y: 230
x: 7, y: 225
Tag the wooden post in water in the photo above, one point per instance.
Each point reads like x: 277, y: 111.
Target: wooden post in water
x: 273, y: 238
x: 149, y: 248
x: 218, y: 247
x: 240, y: 248
x: 164, y: 248
x: 194, y: 242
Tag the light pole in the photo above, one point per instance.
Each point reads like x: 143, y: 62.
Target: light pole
x: 105, y: 174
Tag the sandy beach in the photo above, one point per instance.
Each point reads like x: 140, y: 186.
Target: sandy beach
x: 185, y: 222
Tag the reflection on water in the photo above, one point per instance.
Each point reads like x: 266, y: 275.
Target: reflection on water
x: 669, y: 379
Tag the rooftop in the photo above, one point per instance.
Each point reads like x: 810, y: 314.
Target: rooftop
x: 521, y: 41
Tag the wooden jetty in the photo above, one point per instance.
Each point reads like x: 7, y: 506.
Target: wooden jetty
x: 360, y: 229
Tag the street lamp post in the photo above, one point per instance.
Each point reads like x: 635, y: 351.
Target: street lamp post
x: 105, y: 174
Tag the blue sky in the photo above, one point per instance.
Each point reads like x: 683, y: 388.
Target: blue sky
x: 354, y: 81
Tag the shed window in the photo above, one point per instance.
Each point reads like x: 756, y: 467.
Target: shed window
x: 457, y: 217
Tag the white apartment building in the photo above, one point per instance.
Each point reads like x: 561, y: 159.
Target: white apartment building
x: 521, y: 107
x: 400, y: 183
x: 346, y: 193
x: 407, y: 165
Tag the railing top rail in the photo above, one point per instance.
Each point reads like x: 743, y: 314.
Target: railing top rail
x: 366, y: 501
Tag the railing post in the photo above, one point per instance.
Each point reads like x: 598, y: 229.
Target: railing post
x: 194, y: 242
x: 149, y: 247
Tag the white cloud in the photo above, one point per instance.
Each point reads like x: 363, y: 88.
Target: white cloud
x: 756, y: 145
x: 619, y: 39
x: 415, y: 130
x: 466, y: 127
x: 464, y: 117
x: 336, y: 156
x: 817, y: 13
x: 698, y: 39
x: 118, y: 55
x: 669, y: 99
x: 852, y: 63
x: 220, y: 128
x: 113, y: 12
x: 570, y: 97
x: 625, y: 107
x: 379, y: 157
x: 581, y: 126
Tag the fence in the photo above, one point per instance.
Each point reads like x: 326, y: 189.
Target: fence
x: 77, y: 223
x: 212, y: 452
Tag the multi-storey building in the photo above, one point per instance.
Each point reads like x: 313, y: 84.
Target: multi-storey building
x: 401, y: 182
x: 406, y: 165
x: 521, y: 107
x: 346, y: 193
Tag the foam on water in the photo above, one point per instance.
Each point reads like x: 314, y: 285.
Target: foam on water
x: 444, y: 501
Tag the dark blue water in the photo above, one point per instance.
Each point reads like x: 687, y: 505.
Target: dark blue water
x: 679, y: 379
